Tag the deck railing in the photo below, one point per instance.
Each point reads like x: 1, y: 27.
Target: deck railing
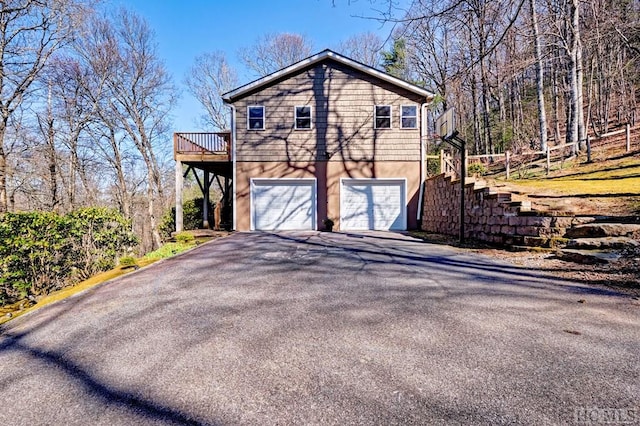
x: 202, y: 143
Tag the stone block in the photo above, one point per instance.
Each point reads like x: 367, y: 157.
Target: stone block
x: 527, y: 231
x: 562, y: 222
x: 515, y: 220
x: 540, y: 221
x: 497, y: 239
x: 507, y: 230
x: 536, y: 241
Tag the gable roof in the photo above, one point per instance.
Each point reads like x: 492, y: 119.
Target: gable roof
x: 248, y: 88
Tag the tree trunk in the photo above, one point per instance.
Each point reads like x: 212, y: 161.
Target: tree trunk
x: 486, y: 107
x: 556, y: 102
x: 53, y: 165
x: 476, y: 122
x: 3, y: 167
x: 542, y: 114
x: 121, y: 183
x: 575, y: 127
x: 582, y: 134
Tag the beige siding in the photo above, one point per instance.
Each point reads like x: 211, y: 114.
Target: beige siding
x: 342, y: 102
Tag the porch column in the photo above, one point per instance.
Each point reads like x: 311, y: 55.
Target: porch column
x: 179, y: 184
x: 205, y: 200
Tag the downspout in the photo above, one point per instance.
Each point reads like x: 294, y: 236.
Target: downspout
x: 233, y: 160
x: 423, y: 174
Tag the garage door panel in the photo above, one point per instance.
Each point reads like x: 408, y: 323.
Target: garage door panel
x: 283, y: 205
x: 375, y: 204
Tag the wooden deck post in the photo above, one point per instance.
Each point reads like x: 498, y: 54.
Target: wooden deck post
x: 507, y: 163
x: 442, y: 165
x: 205, y: 199
x: 628, y: 134
x: 179, y: 184
x: 588, y: 149
x: 548, y: 160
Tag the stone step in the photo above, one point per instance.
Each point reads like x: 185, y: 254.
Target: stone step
x: 617, y: 219
x: 604, y: 243
x: 588, y: 257
x: 598, y: 230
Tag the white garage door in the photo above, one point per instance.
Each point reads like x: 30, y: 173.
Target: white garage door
x: 375, y: 204
x: 283, y: 204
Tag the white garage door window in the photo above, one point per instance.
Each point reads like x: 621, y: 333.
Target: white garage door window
x: 373, y: 204
x: 283, y: 204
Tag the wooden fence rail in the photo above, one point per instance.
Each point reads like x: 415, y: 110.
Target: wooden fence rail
x: 448, y: 163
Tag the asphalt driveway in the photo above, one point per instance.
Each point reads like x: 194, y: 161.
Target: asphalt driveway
x: 317, y: 328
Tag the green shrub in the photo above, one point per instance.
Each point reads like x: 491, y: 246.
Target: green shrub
x: 184, y: 237
x: 34, y: 253
x: 191, y: 217
x: 42, y: 251
x: 128, y: 261
x: 476, y: 169
x: 100, y: 235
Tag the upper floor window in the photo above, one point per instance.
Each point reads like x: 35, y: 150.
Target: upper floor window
x: 302, y: 117
x: 255, y: 117
x: 382, y: 117
x: 409, y: 117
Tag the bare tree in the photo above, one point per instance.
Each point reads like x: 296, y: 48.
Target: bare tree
x: 364, y: 48
x: 275, y: 51
x: 97, y: 50
x: 141, y: 97
x: 74, y: 104
x: 210, y: 77
x: 30, y: 31
x: 542, y: 114
x: 457, y: 40
x: 433, y: 58
x: 47, y: 130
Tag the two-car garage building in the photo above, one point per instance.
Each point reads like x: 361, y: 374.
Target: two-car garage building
x: 327, y: 137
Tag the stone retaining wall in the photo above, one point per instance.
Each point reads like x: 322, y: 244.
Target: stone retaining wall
x: 490, y: 216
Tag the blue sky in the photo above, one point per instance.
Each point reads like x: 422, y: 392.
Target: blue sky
x: 185, y: 29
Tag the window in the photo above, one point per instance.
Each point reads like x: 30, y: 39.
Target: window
x: 255, y: 117
x: 382, y: 118
x: 302, y: 117
x: 409, y: 117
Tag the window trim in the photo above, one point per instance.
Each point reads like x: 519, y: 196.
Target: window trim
x: 408, y: 116
x: 295, y: 117
x: 264, y: 118
x: 375, y: 117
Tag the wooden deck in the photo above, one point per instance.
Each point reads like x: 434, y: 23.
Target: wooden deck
x: 202, y: 147
x: 205, y: 151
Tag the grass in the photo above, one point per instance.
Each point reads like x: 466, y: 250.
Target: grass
x: 170, y: 249
x: 602, y: 178
x: 167, y: 250
x: 584, y: 186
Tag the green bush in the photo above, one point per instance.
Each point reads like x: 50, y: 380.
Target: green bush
x: 42, y: 251
x: 128, y: 261
x: 100, y: 235
x: 476, y: 169
x: 184, y: 237
x: 191, y: 217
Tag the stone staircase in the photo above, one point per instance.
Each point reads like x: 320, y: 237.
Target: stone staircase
x: 500, y: 217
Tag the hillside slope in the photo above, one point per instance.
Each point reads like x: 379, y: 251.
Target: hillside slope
x: 607, y: 186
